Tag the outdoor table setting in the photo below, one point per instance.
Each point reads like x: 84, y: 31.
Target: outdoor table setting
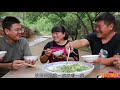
x: 38, y: 72
x: 64, y: 69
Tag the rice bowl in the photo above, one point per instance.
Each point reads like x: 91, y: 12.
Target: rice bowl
x: 2, y: 53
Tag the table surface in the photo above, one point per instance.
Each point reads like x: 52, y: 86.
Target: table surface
x: 37, y: 72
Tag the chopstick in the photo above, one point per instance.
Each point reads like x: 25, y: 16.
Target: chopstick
x: 72, y: 51
x: 29, y: 65
x: 68, y: 54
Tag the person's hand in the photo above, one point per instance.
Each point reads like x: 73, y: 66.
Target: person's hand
x: 60, y: 57
x: 117, y: 63
x: 69, y: 45
x: 48, y: 52
x: 96, y: 61
x: 17, y: 64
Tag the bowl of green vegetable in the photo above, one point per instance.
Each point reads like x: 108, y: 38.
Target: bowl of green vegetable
x: 68, y: 69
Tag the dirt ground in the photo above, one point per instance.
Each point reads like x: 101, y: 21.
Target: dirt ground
x: 37, y: 49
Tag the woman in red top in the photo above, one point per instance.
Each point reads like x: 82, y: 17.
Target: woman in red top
x: 60, y: 39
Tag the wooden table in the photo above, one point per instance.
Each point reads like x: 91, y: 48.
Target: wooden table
x: 37, y: 72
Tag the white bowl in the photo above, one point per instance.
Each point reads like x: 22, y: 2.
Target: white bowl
x: 2, y: 53
x: 48, y: 68
x: 90, y: 58
x: 30, y: 57
x: 58, y: 53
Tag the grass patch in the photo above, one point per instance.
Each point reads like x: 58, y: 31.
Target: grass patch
x: 85, y: 49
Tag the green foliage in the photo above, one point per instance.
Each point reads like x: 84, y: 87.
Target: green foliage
x: 33, y: 16
x: 2, y: 14
x: 43, y: 25
x: 42, y: 22
x: 85, y: 49
x: 117, y: 16
x: 70, y: 19
x: 53, y: 18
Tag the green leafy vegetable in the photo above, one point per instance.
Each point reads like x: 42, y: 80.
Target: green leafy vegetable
x: 70, y: 68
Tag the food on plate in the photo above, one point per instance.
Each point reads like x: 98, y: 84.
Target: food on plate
x: 76, y: 68
x: 70, y: 68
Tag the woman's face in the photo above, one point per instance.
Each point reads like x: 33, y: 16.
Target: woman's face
x: 58, y: 36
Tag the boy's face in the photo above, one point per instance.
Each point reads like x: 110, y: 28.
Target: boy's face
x: 103, y: 30
x: 15, y: 32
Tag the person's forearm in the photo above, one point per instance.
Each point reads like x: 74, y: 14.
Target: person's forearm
x: 107, y: 61
x: 6, y: 65
x: 80, y: 43
x: 44, y: 58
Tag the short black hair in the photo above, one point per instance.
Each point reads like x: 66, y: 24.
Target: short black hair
x: 107, y: 17
x: 8, y: 21
x: 60, y: 29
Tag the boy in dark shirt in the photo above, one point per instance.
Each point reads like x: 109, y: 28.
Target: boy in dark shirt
x: 104, y: 41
